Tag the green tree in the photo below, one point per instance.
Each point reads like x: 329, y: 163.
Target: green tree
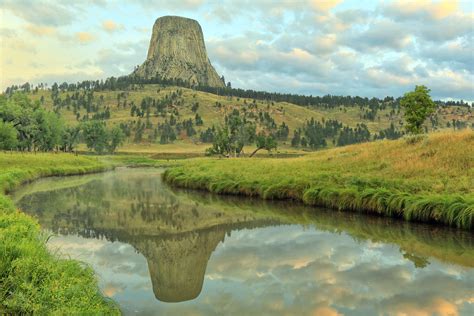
x: 70, y: 138
x: 95, y: 135
x: 116, y: 138
x: 418, y: 106
x: 8, y: 136
x: 264, y: 142
x: 222, y: 144
x: 36, y: 127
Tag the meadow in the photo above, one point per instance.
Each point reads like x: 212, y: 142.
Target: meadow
x: 33, y: 280
x: 419, y: 178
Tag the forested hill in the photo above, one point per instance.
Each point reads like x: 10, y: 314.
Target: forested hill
x: 166, y: 117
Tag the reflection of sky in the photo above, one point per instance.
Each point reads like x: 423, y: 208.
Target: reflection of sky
x: 287, y: 270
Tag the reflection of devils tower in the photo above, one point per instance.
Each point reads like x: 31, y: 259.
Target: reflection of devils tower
x: 177, y: 263
x: 176, y: 232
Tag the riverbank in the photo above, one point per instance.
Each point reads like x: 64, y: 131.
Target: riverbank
x: 426, y: 179
x: 33, y: 280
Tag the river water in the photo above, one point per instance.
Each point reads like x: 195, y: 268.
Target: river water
x: 162, y: 251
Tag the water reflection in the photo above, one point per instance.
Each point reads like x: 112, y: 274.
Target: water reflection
x: 273, y: 257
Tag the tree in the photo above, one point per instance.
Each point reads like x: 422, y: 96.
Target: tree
x: 70, y: 138
x: 36, y: 127
x: 8, y: 136
x: 418, y: 106
x: 230, y: 139
x: 264, y: 142
x: 222, y: 144
x: 95, y: 135
x: 116, y: 138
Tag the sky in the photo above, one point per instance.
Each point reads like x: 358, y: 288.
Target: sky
x: 317, y: 47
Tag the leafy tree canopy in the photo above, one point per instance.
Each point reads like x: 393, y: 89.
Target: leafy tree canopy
x: 418, y: 106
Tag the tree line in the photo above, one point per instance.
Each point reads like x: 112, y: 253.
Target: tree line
x: 27, y: 126
x: 132, y: 82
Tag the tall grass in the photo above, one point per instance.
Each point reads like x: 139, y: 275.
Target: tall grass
x: 32, y: 280
x: 430, y: 180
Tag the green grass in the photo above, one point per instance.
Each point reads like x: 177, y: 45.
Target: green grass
x: 33, y: 280
x: 427, y: 179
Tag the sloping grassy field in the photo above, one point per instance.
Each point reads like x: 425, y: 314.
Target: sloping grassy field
x: 32, y: 280
x: 293, y: 115
x: 429, y: 179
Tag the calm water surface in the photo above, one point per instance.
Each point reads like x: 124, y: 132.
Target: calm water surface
x: 157, y: 250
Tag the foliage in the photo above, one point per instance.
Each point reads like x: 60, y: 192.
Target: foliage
x: 27, y: 126
x: 116, y: 138
x: 37, y: 129
x: 263, y: 141
x: 418, y: 106
x: 95, y: 135
x: 8, y: 136
x: 100, y: 139
x: 230, y: 139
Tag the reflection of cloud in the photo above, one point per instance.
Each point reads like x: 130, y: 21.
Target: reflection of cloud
x: 285, y: 269
x: 425, y: 307
x: 325, y: 311
x: 112, y: 288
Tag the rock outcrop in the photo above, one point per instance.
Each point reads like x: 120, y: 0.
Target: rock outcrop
x: 177, y: 52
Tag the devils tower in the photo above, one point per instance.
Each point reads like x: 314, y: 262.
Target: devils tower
x: 177, y: 52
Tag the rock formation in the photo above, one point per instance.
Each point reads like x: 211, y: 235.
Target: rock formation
x: 177, y: 52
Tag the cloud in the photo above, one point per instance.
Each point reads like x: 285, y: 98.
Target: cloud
x: 110, y: 26
x: 311, y: 47
x: 413, y: 9
x: 40, y: 30
x: 40, y: 12
x: 171, y: 5
x: 324, y: 5
x: 380, y: 34
x: 6, y: 32
x: 84, y: 37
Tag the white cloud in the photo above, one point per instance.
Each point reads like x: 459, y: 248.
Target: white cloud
x: 303, y: 46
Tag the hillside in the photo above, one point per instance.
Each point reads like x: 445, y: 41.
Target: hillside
x: 427, y: 179
x: 143, y: 110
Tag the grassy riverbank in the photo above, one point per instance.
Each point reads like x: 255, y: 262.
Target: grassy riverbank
x: 429, y: 179
x: 32, y: 280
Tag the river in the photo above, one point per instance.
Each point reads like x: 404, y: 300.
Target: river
x: 160, y: 250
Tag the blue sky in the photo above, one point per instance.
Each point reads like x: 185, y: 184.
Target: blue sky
x: 339, y: 47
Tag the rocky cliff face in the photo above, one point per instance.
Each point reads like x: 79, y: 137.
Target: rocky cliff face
x: 177, y: 51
